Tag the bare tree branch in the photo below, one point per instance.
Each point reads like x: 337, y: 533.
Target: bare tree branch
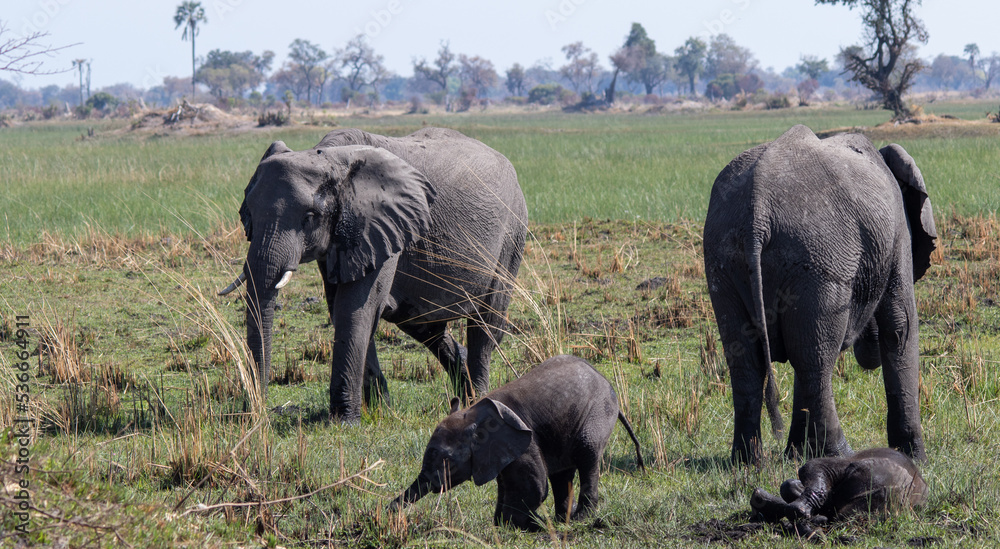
x: 26, y: 54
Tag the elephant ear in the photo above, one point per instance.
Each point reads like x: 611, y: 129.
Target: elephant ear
x: 277, y: 147
x: 917, y: 205
x: 500, y: 438
x: 383, y: 205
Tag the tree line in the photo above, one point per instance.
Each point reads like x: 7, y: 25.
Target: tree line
x: 717, y: 68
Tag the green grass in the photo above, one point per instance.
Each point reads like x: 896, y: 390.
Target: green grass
x: 571, y: 166
x: 118, y: 284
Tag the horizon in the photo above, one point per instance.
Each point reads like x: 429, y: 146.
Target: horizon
x: 403, y: 31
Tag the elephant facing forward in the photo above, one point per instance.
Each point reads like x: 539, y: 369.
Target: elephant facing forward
x: 812, y: 246
x: 418, y: 230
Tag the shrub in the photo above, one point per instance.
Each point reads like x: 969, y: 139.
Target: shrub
x: 272, y: 118
x: 777, y: 101
x: 546, y: 94
x: 51, y: 111
x: 417, y: 106
x: 102, y: 101
x: 466, y: 98
x: 806, y: 88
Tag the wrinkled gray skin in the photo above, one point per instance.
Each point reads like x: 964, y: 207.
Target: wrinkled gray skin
x: 876, y: 481
x: 543, y: 427
x: 417, y: 230
x: 808, y: 251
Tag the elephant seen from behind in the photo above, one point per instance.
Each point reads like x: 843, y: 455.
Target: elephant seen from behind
x: 813, y: 246
x: 417, y: 230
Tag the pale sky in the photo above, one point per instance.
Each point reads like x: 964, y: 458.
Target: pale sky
x: 136, y: 42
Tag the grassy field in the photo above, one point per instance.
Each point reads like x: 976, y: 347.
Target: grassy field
x: 114, y: 245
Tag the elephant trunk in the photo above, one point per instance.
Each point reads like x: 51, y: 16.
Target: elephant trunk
x: 417, y: 490
x: 265, y: 277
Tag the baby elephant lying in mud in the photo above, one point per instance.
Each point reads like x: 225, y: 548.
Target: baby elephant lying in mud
x: 875, y: 481
x: 545, y: 426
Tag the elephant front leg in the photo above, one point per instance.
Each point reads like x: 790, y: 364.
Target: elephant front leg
x: 375, y: 388
x: 356, y: 311
x: 524, y: 487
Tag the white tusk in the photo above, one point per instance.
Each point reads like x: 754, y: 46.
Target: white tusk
x: 236, y: 284
x: 284, y: 280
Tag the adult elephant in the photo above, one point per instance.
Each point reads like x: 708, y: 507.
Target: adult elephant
x: 812, y: 246
x: 418, y: 230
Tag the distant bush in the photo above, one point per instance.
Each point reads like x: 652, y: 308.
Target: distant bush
x: 83, y: 111
x: 102, y: 101
x: 417, y: 106
x: 806, y: 88
x: 727, y: 86
x: 466, y: 98
x: 272, y: 118
x: 51, y: 111
x: 547, y: 94
x: 777, y: 101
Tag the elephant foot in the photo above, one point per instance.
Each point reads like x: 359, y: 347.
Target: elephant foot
x: 344, y: 416
x: 521, y: 521
x: 769, y: 507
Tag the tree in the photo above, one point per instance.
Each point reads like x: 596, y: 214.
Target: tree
x: 812, y: 66
x: 635, y: 55
x: 477, y: 73
x: 951, y: 72
x: 25, y: 54
x: 363, y: 67
x: 231, y: 74
x: 79, y: 64
x: 724, y: 56
x: 189, y: 15
x: 690, y: 60
x: 972, y: 50
x: 515, y: 79
x: 991, y: 69
x: 885, y: 64
x: 443, y: 69
x: 583, y: 67
x: 307, y: 60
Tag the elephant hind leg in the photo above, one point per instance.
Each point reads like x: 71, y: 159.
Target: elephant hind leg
x: 452, y: 356
x: 486, y: 330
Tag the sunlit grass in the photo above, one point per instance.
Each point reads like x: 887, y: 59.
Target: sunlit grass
x: 156, y: 429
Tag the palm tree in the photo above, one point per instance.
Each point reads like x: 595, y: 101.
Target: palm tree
x: 190, y: 14
x: 78, y: 65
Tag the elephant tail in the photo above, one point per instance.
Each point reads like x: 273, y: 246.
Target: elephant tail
x: 638, y: 449
x: 760, y: 316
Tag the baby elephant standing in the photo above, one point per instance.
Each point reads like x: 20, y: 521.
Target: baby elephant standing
x: 545, y: 426
x: 879, y: 480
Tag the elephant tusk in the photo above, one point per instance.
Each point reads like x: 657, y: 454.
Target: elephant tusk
x: 236, y: 284
x: 284, y: 280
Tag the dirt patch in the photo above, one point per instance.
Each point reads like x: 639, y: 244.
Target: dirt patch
x: 188, y: 119
x: 923, y: 126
